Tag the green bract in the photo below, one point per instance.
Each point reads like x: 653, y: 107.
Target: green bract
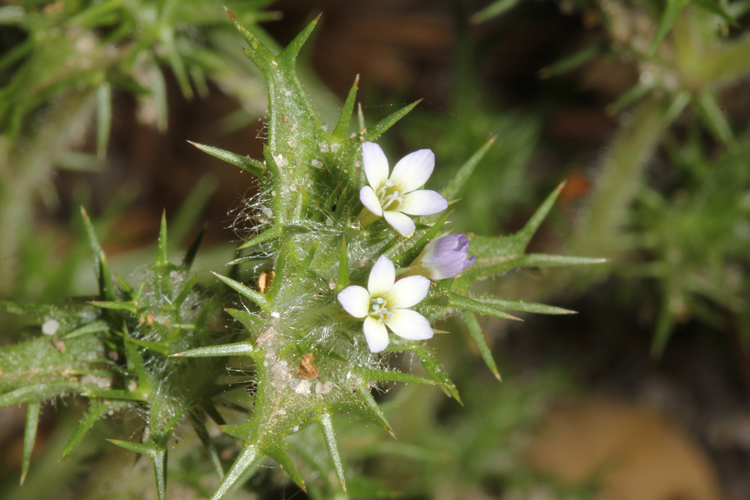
x: 152, y: 349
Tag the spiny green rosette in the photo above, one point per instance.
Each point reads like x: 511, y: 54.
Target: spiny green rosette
x: 115, y: 352
x: 165, y: 315
x: 343, y: 249
x: 311, y: 358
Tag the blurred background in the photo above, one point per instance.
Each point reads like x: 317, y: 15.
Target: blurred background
x: 642, y: 107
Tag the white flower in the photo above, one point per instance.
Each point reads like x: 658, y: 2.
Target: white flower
x: 385, y: 303
x: 395, y: 196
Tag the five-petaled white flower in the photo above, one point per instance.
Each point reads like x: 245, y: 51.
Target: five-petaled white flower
x: 398, y: 195
x: 385, y: 302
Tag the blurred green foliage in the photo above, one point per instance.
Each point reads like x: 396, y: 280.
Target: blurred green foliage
x: 60, y: 65
x: 688, y: 237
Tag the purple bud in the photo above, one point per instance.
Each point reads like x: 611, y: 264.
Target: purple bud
x: 443, y: 258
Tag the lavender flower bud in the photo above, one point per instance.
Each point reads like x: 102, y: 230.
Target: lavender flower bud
x: 443, y: 258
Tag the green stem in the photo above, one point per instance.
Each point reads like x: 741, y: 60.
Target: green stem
x: 621, y: 174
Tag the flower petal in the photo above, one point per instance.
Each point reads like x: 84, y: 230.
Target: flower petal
x: 423, y: 202
x: 400, y: 222
x: 375, y: 334
x: 375, y: 164
x: 382, y: 276
x: 370, y: 200
x: 355, y: 300
x: 408, y: 292
x: 409, y: 325
x: 413, y: 170
x: 469, y: 262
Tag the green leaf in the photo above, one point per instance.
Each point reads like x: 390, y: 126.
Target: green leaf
x: 663, y: 331
x: 95, y: 327
x: 305, y: 264
x: 467, y: 304
x: 342, y: 127
x: 379, y: 128
x: 571, y: 62
x: 103, y: 118
x: 326, y: 424
x: 457, y: 183
x: 101, y: 268
x: 125, y: 286
x: 135, y: 364
x: 714, y: 118
x: 520, y: 305
x: 250, y: 321
x: 672, y: 11
x: 258, y: 298
x: 363, y: 404
x: 677, y: 106
x: 255, y: 167
x: 65, y: 314
x: 183, y: 295
x: 278, y: 452
x: 89, y: 16
x: 374, y: 375
x: 257, y: 52
x: 160, y: 347
x: 248, y: 456
x: 494, y: 9
x: 236, y: 349
x: 200, y: 429
x: 22, y: 367
x: 476, y: 334
x: 286, y: 263
x: 516, y: 244
x: 162, y: 250
x: 269, y: 234
x: 129, y: 306
x: 187, y: 261
x: 95, y: 411
x: 635, y: 93
x: 431, y: 365
x: 717, y: 8
x: 157, y: 455
x: 29, y: 435
x: 159, y: 94
x: 289, y: 55
x: 39, y: 392
x: 175, y: 61
x: 545, y: 260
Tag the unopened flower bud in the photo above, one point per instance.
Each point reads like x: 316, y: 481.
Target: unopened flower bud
x: 443, y: 258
